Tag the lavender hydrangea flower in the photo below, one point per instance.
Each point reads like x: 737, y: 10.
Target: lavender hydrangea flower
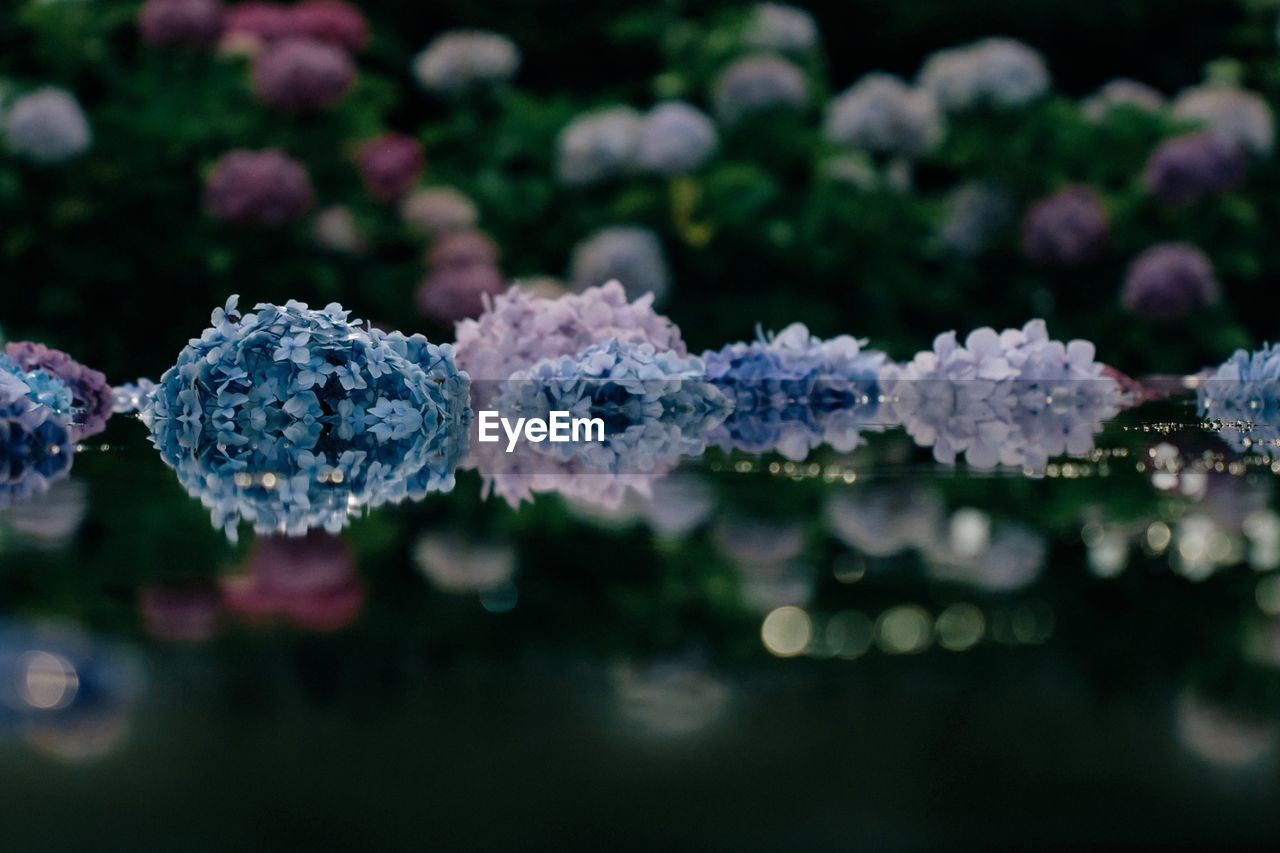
x: 292, y: 418
x: 258, y: 187
x: 1243, y: 393
x: 1236, y: 116
x: 998, y: 72
x: 47, y: 126
x: 518, y: 329
x: 775, y: 26
x: 1014, y: 398
x: 461, y: 60
x: 598, y: 145
x: 675, y: 137
x: 36, y: 449
x: 438, y: 210
x: 1121, y: 93
x: 1066, y: 229
x: 330, y: 21
x: 1168, y: 282
x: 883, y: 114
x: 91, y: 395
x: 251, y: 26
x: 335, y: 229
x: 454, y: 293
x: 975, y: 215
x: 756, y: 83
x: 302, y: 75
x: 196, y: 22
x: 629, y: 254
x: 390, y: 165
x: 1188, y: 167
x: 463, y: 249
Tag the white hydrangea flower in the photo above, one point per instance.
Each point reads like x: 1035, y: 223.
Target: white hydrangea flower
x: 1121, y: 92
x: 1236, y: 116
x: 455, y: 565
x: 1000, y: 72
x: 598, y: 145
x: 675, y: 137
x: 47, y: 126
x: 463, y: 59
x: 755, y: 83
x: 775, y: 26
x: 629, y: 254
x: 882, y: 113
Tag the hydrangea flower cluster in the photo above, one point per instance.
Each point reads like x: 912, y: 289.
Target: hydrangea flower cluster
x: 997, y: 72
x: 775, y: 26
x: 518, y: 329
x: 258, y: 188
x: 194, y: 22
x: 1013, y: 398
x: 335, y: 228
x: 674, y: 138
x: 1244, y: 394
x: 1236, y: 116
x: 302, y: 75
x: 309, y: 581
x: 792, y: 392
x: 882, y: 113
x: 1065, y: 229
x: 598, y: 145
x: 464, y: 271
x: 1169, y: 281
x: 36, y: 386
x: 462, y: 60
x: 291, y: 418
x: 756, y: 83
x: 1121, y: 92
x: 91, y: 396
x: 1188, y: 167
x: 36, y: 446
x: 975, y: 215
x: 438, y: 210
x: 630, y: 254
x: 390, y: 165
x: 47, y: 126
x: 251, y: 26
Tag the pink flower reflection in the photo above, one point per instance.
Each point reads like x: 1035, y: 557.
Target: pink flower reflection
x: 181, y: 614
x: 308, y: 581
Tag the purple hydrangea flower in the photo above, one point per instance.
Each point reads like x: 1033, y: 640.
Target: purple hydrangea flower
x: 197, y: 22
x: 390, y: 165
x: 255, y: 25
x: 598, y: 145
x: 756, y: 83
x: 1118, y: 93
x: 627, y: 253
x: 881, y: 113
x: 438, y: 210
x: 330, y: 21
x: 1236, y: 116
x: 258, y: 187
x: 47, y: 126
x: 91, y: 395
x: 998, y: 72
x: 454, y: 293
x: 775, y: 26
x: 1068, y: 228
x: 1187, y: 167
x: 302, y: 75
x: 461, y: 60
x: 518, y: 329
x: 1168, y: 282
x: 675, y: 138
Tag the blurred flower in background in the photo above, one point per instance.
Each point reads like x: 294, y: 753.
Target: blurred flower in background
x: 999, y: 72
x: 258, y: 188
x: 335, y: 228
x: 1068, y: 228
x: 1121, y: 92
x: 455, y: 564
x: 436, y: 211
x: 464, y: 270
x: 193, y: 22
x: 674, y: 138
x: 390, y: 165
x: 47, y: 125
x: 311, y: 582
x: 598, y: 145
x: 460, y: 60
x: 758, y: 83
x: 975, y: 216
x: 1236, y: 116
x: 302, y: 75
x: 1168, y: 282
x: 775, y: 26
x: 629, y: 254
x: 1186, y: 168
x: 330, y: 21
x: 881, y: 113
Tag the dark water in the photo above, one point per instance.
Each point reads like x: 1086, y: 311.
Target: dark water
x: 853, y: 649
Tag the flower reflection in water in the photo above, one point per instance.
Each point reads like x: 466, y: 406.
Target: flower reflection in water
x: 66, y: 693
x: 457, y: 565
x: 36, y: 448
x: 670, y: 698
x: 675, y: 506
x: 309, y: 582
x: 48, y: 520
x: 1220, y: 735
x: 187, y: 614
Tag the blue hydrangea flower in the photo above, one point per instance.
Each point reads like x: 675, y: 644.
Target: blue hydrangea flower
x: 1244, y: 394
x: 292, y: 418
x: 36, y: 449
x: 42, y: 388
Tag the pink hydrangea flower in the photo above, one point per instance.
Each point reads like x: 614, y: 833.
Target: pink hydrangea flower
x: 197, y: 22
x: 258, y: 187
x: 390, y: 165
x: 330, y: 21
x: 309, y: 581
x: 302, y: 75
